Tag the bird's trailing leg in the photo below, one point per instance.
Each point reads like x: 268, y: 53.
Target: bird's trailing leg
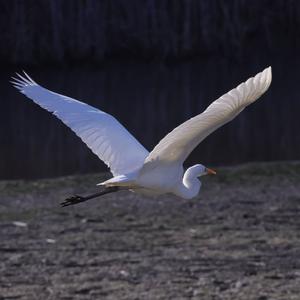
x: 78, y: 199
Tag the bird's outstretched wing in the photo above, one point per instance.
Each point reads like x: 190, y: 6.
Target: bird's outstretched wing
x: 101, y: 132
x: 179, y: 143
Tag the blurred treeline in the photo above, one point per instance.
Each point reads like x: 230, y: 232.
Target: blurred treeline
x: 64, y: 32
x: 152, y: 64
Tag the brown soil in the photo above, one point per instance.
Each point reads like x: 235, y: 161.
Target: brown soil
x: 239, y: 240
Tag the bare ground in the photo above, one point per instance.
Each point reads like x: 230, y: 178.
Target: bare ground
x: 239, y: 240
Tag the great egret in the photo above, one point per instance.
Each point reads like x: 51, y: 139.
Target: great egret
x: 133, y: 167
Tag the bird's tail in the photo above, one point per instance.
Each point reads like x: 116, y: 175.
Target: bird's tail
x: 121, y: 180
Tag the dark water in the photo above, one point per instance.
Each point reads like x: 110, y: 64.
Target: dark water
x: 150, y: 100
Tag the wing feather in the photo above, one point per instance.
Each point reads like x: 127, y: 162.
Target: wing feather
x: 101, y: 132
x: 179, y: 143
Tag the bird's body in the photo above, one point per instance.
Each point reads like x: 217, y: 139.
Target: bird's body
x: 134, y: 168
x: 159, y: 180
x: 150, y: 183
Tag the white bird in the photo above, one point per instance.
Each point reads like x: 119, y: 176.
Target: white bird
x: 133, y: 167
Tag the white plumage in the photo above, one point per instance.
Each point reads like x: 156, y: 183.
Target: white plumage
x: 133, y: 167
x: 101, y: 132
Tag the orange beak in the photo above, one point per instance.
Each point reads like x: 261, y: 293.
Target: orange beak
x: 211, y: 171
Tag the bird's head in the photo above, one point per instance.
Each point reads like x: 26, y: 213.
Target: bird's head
x: 200, y: 170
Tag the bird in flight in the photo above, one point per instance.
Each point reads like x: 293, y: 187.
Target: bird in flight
x: 133, y: 167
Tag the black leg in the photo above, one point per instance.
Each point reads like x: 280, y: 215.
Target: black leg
x: 78, y: 199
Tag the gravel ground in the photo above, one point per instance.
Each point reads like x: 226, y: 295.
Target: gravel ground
x: 239, y: 239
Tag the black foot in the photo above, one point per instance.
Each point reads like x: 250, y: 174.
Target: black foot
x: 73, y: 200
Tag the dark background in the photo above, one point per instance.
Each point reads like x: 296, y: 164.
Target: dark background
x: 152, y: 64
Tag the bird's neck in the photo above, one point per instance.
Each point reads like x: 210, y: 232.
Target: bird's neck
x: 190, y: 186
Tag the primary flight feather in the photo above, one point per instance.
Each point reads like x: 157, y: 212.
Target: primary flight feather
x: 134, y: 168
